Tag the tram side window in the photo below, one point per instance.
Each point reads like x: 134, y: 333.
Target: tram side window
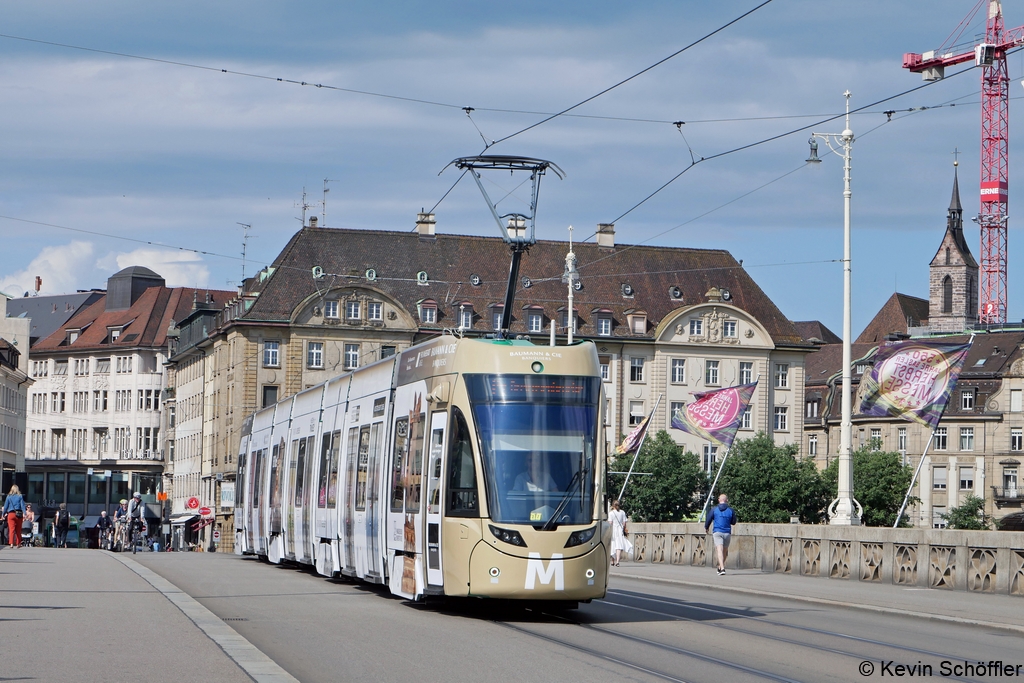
x: 332, y: 482
x: 257, y: 476
x: 462, y: 497
x: 299, y: 465
x: 325, y: 470
x: 401, y: 450
x: 240, y: 476
x: 364, y: 456
x: 414, y: 464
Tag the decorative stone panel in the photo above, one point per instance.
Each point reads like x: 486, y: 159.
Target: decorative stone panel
x: 1017, y: 572
x: 640, y: 547
x: 678, y: 548
x: 811, y: 557
x: 658, y: 548
x: 981, y: 574
x: 784, y: 555
x: 699, y: 555
x: 904, y: 571
x: 942, y: 566
x: 839, y: 559
x: 870, y: 561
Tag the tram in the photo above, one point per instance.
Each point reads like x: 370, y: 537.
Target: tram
x: 460, y: 467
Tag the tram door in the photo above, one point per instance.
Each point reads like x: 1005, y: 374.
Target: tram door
x: 351, y: 459
x: 405, y: 518
x: 438, y: 422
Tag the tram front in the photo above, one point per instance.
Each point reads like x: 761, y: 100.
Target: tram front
x: 542, y: 462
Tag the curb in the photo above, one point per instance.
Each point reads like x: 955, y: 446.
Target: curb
x: 825, y: 601
x: 247, y: 656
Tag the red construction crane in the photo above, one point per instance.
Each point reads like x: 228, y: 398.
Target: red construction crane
x: 990, y: 54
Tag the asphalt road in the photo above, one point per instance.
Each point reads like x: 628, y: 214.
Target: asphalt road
x: 321, y: 630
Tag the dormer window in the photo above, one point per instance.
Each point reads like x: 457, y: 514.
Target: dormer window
x: 563, y: 314
x: 496, y: 314
x: 637, y: 321
x: 465, y: 316
x: 73, y: 336
x: 352, y: 310
x: 535, y: 319
x: 696, y: 327
x: 729, y: 329
x: 602, y: 321
x: 330, y: 309
x: 427, y: 311
x: 115, y: 334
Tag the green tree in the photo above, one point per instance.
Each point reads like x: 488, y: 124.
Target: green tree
x: 766, y: 483
x: 673, y: 490
x: 969, y: 515
x: 880, y: 480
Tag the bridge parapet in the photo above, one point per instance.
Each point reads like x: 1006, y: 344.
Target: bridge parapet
x: 944, y: 559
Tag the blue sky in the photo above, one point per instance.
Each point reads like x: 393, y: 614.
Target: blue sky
x: 160, y: 152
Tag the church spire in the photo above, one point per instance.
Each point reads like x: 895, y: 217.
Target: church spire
x: 955, y: 215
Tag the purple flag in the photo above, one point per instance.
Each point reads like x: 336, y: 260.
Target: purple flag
x: 913, y: 380
x: 715, y: 415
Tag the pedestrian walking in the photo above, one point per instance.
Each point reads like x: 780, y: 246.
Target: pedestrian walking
x: 61, y: 524
x: 620, y: 533
x: 723, y: 518
x: 14, y: 512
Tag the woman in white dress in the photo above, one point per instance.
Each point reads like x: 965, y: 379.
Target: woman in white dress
x: 620, y: 530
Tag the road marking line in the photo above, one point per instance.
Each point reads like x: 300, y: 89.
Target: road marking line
x: 247, y: 656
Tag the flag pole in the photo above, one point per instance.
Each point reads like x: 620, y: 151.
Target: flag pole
x: 639, y: 446
x: 711, y: 491
x: 913, y: 481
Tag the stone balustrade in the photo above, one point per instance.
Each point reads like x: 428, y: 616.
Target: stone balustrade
x: 982, y: 561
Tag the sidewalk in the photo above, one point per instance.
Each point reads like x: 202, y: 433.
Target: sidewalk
x: 84, y: 616
x: 983, y: 609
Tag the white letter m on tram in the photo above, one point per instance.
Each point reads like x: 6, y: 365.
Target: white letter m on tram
x: 535, y: 570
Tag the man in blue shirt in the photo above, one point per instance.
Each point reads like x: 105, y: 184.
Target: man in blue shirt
x: 723, y: 517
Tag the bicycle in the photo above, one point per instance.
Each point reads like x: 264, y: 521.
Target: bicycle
x: 106, y: 539
x: 137, y: 534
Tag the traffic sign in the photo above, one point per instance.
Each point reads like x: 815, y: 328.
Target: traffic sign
x: 206, y: 512
x: 192, y: 503
x: 216, y: 535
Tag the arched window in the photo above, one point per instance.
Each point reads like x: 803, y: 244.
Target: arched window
x: 947, y: 294
x: 947, y: 256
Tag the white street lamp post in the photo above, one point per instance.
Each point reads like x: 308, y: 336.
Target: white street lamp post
x: 844, y: 510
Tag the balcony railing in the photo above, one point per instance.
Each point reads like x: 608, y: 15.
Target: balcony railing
x: 1004, y: 494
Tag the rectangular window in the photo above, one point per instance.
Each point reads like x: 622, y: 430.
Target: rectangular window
x: 812, y: 409
x: 330, y: 309
x: 711, y: 372
x: 967, y: 438
x: 782, y: 375
x: 536, y: 322
x: 696, y: 327
x: 604, y: 327
x: 939, y: 440
x: 496, y: 319
x: 315, y: 354
x: 271, y: 353
x: 966, y: 478
x: 102, y: 366
x: 465, y: 317
x: 565, y: 321
x: 901, y: 439
x: 40, y: 368
x: 1016, y: 396
x: 428, y: 314
x: 937, y: 517
x: 747, y: 420
x: 605, y: 372
x: 939, y: 478
x: 639, y: 324
x: 99, y: 401
x: 60, y: 367
x: 967, y: 399
x: 679, y: 371
x: 375, y: 311
x: 729, y: 329
x: 1016, y: 439
x: 710, y: 454
x: 812, y: 445
x: 81, y: 367
x: 269, y: 395
x: 636, y: 369
x: 636, y: 412
x: 57, y: 402
x: 746, y: 373
x: 387, y: 351
x: 876, y: 438
x: 124, y: 365
x: 352, y: 310
x: 675, y: 407
x: 781, y: 418
x: 351, y: 356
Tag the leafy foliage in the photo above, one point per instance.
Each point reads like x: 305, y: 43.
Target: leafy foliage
x: 970, y: 515
x: 674, y: 489
x: 766, y: 483
x: 880, y: 480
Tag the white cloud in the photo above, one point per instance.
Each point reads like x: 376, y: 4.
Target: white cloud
x: 178, y: 268
x: 63, y: 268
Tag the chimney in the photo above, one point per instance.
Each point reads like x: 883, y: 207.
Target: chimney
x: 606, y: 235
x: 714, y: 295
x: 425, y: 224
x: 312, y: 221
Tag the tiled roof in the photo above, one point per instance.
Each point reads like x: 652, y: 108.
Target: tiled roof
x: 449, y: 261
x: 893, y: 316
x: 810, y: 330
x: 145, y: 324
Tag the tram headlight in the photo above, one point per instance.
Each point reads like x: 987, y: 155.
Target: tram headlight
x: 510, y: 536
x: 580, y: 537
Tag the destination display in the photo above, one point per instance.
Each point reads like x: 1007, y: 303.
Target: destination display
x: 532, y: 389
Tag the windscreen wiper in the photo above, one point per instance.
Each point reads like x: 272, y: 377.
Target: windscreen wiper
x: 580, y: 474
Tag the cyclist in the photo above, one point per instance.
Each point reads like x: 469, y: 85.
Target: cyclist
x: 121, y: 525
x: 137, y: 517
x: 105, y: 526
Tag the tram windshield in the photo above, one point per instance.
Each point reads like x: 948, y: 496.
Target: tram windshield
x: 537, y: 438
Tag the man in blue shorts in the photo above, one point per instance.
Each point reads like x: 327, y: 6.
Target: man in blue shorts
x: 723, y: 517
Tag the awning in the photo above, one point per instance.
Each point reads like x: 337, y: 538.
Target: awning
x: 183, y: 519
x: 88, y: 522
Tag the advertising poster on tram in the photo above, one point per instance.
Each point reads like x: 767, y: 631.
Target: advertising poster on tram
x: 913, y: 380
x: 715, y: 415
